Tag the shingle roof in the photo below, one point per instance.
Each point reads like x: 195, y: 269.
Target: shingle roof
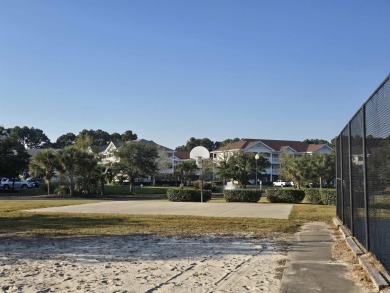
x: 277, y: 145
x: 183, y: 155
x: 238, y: 145
x: 313, y: 147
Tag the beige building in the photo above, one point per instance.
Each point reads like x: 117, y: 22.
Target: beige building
x: 270, y: 149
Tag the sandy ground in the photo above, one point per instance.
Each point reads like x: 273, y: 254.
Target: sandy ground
x: 140, y: 264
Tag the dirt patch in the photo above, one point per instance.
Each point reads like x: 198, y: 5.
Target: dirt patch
x: 343, y: 253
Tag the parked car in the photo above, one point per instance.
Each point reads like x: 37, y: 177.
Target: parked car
x: 6, y: 183
x: 36, y: 181
x: 281, y: 183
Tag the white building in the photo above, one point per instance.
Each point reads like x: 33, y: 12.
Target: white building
x: 168, y: 158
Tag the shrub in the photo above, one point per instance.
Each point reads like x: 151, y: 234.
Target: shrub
x: 177, y: 194
x: 285, y: 195
x: 242, y: 195
x: 61, y: 190
x: 313, y: 195
x: 328, y: 196
x: 87, y: 187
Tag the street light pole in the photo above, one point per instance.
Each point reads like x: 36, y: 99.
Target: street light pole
x: 256, y: 157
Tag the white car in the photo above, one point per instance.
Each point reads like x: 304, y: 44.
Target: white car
x: 6, y: 183
x: 281, y: 183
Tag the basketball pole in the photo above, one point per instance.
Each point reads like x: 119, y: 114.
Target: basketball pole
x: 201, y: 180
x: 199, y: 153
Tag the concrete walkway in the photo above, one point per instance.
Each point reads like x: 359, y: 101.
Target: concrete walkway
x: 310, y: 266
x: 250, y: 210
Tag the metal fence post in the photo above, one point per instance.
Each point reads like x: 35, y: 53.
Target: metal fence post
x: 350, y: 176
x: 365, y: 179
x: 341, y: 178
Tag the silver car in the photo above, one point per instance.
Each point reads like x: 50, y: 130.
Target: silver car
x: 6, y: 183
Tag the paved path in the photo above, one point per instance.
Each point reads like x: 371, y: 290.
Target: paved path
x: 310, y: 266
x: 250, y: 210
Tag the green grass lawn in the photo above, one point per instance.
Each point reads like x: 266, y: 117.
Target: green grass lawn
x: 13, y: 220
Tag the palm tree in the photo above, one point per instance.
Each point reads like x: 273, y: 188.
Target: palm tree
x: 184, y: 169
x: 69, y: 159
x: 44, y: 165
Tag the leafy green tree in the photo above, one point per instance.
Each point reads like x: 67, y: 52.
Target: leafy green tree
x: 30, y: 138
x: 136, y: 160
x: 194, y: 142
x: 222, y: 167
x: 242, y: 167
x: 324, y: 167
x: 306, y: 169
x: 101, y: 138
x: 13, y: 157
x: 115, y: 137
x: 333, y: 143
x: 43, y: 165
x: 219, y: 144
x: 3, y: 131
x: 98, y: 137
x: 316, y: 141
x: 66, y: 140
x: 208, y: 169
x: 205, y: 142
x: 83, y: 141
x: 296, y: 169
x: 128, y: 135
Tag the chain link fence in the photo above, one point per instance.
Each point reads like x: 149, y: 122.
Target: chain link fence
x: 363, y: 174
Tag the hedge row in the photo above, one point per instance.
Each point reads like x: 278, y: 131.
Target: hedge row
x: 242, y: 195
x: 285, y: 195
x: 314, y: 195
x: 326, y: 196
x: 176, y: 194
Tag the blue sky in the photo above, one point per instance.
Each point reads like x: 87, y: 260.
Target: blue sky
x: 170, y: 70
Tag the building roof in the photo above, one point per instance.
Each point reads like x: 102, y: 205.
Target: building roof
x: 279, y: 145
x: 313, y: 147
x: 276, y: 145
x: 183, y: 155
x: 238, y: 145
x: 144, y: 141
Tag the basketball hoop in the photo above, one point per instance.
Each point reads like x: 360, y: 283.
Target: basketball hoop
x: 199, y: 154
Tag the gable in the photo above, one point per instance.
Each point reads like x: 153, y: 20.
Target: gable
x: 322, y: 149
x: 258, y: 147
x: 110, y: 148
x: 287, y: 149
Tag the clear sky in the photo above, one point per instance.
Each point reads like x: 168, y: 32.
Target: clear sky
x: 170, y: 70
